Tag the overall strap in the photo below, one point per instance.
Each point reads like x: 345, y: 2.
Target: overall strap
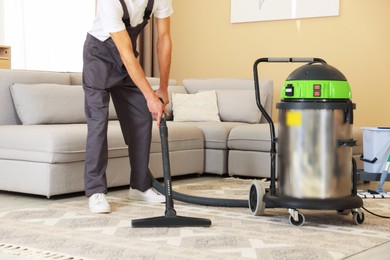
x: 126, y: 16
x: 148, y: 10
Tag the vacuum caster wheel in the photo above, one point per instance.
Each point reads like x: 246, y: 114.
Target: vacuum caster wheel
x: 256, y: 194
x: 357, y: 216
x: 296, y: 218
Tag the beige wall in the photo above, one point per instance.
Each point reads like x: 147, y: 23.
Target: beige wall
x: 357, y: 42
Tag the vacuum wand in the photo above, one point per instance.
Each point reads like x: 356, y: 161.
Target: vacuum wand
x: 170, y: 219
x: 169, y: 211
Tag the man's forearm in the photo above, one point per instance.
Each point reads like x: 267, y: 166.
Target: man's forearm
x: 164, y: 52
x: 164, y: 49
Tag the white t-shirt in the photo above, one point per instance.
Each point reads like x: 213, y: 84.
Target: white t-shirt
x: 110, y: 13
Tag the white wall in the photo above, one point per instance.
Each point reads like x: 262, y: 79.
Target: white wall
x: 47, y: 34
x: 1, y: 22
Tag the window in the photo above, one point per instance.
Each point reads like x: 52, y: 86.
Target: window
x: 47, y: 34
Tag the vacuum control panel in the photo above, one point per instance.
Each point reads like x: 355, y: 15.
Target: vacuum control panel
x: 308, y: 89
x: 316, y: 81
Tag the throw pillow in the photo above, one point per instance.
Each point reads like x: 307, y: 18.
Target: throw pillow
x: 201, y: 106
x: 239, y: 105
x: 48, y: 103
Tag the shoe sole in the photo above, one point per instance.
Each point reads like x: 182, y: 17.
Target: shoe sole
x: 101, y: 211
x: 136, y: 198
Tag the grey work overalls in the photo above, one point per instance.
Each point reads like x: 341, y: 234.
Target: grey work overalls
x: 103, y: 74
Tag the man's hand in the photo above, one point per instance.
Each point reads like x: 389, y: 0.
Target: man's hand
x: 163, y: 94
x: 156, y: 107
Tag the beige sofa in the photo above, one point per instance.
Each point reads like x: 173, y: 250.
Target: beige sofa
x: 43, y: 132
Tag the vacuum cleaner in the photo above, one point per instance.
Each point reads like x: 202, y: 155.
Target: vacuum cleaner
x: 315, y: 166
x: 316, y: 169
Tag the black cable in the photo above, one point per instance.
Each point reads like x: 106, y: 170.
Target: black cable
x: 377, y: 215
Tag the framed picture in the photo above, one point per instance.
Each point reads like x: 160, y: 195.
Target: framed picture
x: 267, y: 10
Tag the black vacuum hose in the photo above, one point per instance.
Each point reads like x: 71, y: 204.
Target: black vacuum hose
x: 167, y: 188
x: 216, y: 202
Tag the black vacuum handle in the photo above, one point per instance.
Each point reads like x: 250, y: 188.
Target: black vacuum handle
x: 293, y: 60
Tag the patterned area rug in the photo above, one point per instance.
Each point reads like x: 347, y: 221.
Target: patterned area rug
x: 369, y: 195
x: 69, y: 231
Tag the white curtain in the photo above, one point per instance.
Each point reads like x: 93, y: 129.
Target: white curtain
x: 47, y: 34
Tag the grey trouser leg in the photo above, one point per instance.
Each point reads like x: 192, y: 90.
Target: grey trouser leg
x: 136, y: 123
x: 96, y: 111
x: 103, y: 74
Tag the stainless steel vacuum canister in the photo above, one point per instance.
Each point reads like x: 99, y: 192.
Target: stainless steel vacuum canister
x: 315, y: 134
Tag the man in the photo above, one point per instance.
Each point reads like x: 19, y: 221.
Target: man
x: 111, y: 69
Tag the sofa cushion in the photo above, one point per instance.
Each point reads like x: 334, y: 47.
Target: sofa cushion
x: 181, y: 137
x: 8, y: 115
x: 239, y: 105
x: 50, y: 103
x: 60, y: 143
x: 197, y: 107
x: 251, y: 137
x: 215, y: 133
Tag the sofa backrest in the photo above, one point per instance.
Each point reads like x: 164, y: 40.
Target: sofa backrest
x: 266, y: 85
x: 76, y: 79
x: 8, y: 114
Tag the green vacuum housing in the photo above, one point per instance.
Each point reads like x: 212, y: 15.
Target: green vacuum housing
x: 316, y: 81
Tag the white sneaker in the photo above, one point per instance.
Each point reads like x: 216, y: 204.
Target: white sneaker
x: 149, y: 195
x: 98, y: 203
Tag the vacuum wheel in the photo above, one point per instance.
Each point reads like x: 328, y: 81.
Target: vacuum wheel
x: 299, y: 222
x: 358, y: 216
x: 296, y: 218
x: 256, y: 194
